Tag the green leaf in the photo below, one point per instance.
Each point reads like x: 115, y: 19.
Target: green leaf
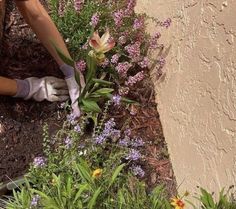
x: 207, y: 199
x: 121, y: 199
x: 129, y: 101
x: 92, y: 202
x: 92, y: 65
x: 116, y: 173
x: 84, y: 172
x: 65, y: 59
x: 103, y: 91
x: 102, y: 82
x: 82, y: 188
x: 91, y: 105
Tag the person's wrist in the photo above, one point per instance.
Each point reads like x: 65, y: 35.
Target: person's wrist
x: 67, y: 70
x: 23, y: 88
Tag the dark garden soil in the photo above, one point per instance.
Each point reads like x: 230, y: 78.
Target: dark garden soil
x: 21, y: 121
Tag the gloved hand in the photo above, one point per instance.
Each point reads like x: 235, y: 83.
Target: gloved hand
x: 49, y: 88
x: 73, y: 87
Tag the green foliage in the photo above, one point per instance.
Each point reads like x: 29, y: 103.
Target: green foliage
x: 67, y: 179
x: 224, y: 202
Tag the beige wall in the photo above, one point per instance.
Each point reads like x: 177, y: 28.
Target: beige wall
x: 197, y: 99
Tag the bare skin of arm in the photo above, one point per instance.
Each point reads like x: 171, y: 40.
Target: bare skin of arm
x: 7, y: 86
x: 42, y: 25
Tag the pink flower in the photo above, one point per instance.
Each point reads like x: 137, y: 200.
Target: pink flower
x: 101, y: 45
x: 115, y: 58
x: 144, y: 63
x: 78, y: 5
x: 122, y: 40
x: 134, y: 51
x: 130, y: 7
x: 81, y: 65
x: 166, y: 23
x: 153, y: 41
x: 94, y: 20
x: 138, y: 23
x: 105, y: 63
x: 118, y: 17
x: 122, y: 68
x: 134, y: 79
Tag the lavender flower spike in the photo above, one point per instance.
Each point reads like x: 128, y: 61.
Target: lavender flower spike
x: 133, y: 155
x: 138, y: 171
x: 35, y: 201
x: 39, y: 162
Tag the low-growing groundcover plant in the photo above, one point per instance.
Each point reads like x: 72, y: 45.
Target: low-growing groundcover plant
x: 101, y: 168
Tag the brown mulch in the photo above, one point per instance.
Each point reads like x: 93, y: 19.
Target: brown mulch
x: 21, y: 121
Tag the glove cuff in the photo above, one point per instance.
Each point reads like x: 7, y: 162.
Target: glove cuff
x: 67, y: 70
x: 23, y: 88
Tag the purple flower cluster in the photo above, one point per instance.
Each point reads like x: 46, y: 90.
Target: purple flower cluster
x: 115, y: 58
x: 134, y: 51
x: 77, y: 128
x: 133, y: 155
x: 39, y: 162
x: 144, y: 63
x: 138, y: 171
x: 122, y: 68
x: 94, y: 20
x: 127, y: 132
x: 116, y: 99
x: 108, y: 131
x: 118, y: 17
x: 137, y: 142
x: 78, y: 5
x: 68, y: 142
x: 81, y: 65
x: 35, y: 201
x: 138, y: 23
x: 166, y: 23
x: 125, y: 142
x: 134, y: 79
x: 71, y: 118
x: 153, y: 41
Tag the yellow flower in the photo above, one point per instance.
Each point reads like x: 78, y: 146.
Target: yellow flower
x: 177, y: 203
x: 97, y: 173
x: 53, y: 182
x: 101, y: 45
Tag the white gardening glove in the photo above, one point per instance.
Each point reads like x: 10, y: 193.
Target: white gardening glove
x: 47, y: 88
x: 73, y: 87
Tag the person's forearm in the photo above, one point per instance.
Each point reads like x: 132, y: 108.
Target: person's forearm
x: 41, y: 23
x: 8, y: 86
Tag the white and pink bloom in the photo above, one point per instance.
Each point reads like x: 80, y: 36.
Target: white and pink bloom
x: 100, y: 45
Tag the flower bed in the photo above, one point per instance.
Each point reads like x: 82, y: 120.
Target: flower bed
x: 98, y: 160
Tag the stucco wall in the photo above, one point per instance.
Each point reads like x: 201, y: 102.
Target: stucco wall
x: 197, y: 99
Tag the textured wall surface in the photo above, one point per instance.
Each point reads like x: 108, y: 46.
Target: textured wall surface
x: 197, y: 98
